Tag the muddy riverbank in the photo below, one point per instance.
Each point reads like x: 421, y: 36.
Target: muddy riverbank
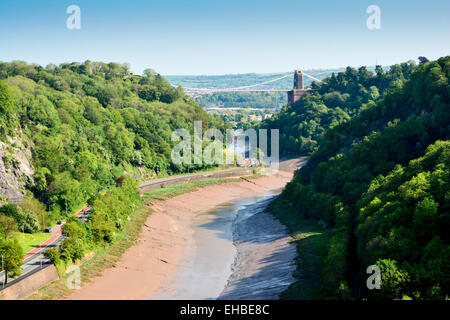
x: 174, y: 245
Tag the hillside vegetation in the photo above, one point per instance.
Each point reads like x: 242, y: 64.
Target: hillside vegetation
x: 381, y: 181
x: 259, y: 100
x: 88, y: 124
x: 337, y: 99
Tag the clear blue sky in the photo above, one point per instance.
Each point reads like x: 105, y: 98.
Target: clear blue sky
x: 224, y: 36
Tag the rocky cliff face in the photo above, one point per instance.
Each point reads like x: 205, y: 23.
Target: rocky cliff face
x: 15, y: 170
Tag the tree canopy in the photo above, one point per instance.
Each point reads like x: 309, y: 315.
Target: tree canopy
x: 89, y: 123
x: 381, y: 180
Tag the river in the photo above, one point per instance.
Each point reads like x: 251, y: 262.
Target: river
x: 213, y: 243
x: 239, y: 252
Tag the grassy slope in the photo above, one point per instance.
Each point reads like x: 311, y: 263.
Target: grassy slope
x: 209, y: 170
x: 312, y: 246
x: 178, y: 189
x: 31, y: 240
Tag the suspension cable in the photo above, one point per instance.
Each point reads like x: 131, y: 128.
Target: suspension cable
x: 242, y: 87
x: 310, y: 76
x: 249, y: 86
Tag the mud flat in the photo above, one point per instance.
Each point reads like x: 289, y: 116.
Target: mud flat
x: 265, y: 258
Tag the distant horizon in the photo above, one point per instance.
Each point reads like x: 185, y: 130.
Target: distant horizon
x: 282, y: 72
x: 223, y: 74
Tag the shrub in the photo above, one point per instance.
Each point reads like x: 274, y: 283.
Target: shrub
x: 72, y: 249
x: 53, y: 254
x: 26, y: 219
x: 74, y: 230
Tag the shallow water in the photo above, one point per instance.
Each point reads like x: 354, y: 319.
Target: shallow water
x: 265, y: 257
x: 220, y: 263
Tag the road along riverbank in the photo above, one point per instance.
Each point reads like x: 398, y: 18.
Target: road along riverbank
x: 171, y: 243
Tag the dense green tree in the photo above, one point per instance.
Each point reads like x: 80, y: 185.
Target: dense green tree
x: 89, y: 123
x: 6, y: 109
x: 73, y: 229
x: 12, y: 255
x: 72, y: 249
x: 381, y: 180
x: 8, y: 225
x: 27, y: 221
x: 334, y: 102
x: 53, y: 254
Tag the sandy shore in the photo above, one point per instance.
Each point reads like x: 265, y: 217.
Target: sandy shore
x: 167, y: 234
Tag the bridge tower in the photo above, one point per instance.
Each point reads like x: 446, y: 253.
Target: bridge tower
x: 298, y: 91
x: 298, y: 79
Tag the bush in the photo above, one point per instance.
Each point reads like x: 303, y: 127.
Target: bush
x: 8, y: 225
x: 53, y: 254
x: 393, y: 280
x: 74, y: 230
x: 112, y: 209
x: 72, y: 249
x: 336, y: 266
x: 26, y: 219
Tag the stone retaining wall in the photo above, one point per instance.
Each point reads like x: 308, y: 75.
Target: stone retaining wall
x: 25, y: 287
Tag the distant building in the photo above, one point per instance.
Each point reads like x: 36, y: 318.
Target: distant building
x: 298, y: 91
